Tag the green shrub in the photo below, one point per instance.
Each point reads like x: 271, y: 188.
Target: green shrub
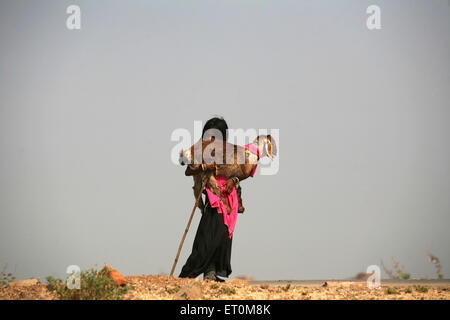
x: 288, y: 286
x: 5, y: 278
x: 391, y: 290
x: 437, y: 264
x: 94, y: 285
x: 405, y: 276
x: 173, y: 290
x: 214, y: 286
x: 422, y: 289
x: 401, y: 274
x: 228, y: 291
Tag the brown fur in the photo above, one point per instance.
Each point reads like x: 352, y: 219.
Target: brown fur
x: 231, y: 161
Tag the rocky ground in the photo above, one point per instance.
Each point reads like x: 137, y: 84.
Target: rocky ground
x: 167, y: 288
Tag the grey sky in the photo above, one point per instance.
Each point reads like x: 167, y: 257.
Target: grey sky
x: 86, y: 118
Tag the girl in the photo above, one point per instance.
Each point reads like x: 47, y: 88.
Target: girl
x: 211, y: 251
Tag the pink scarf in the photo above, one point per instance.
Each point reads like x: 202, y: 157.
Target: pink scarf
x: 229, y: 219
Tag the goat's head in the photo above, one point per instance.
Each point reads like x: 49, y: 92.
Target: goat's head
x: 266, y: 146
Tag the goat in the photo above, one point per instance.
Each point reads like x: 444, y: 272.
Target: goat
x: 231, y: 161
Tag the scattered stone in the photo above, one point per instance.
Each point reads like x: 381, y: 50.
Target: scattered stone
x: 238, y: 282
x: 115, y: 275
x: 363, y: 276
x: 24, y: 283
x: 191, y: 291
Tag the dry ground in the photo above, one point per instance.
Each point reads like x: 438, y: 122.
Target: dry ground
x: 163, y: 287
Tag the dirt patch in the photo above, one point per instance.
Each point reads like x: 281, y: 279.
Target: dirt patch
x: 32, y: 292
x: 168, y: 288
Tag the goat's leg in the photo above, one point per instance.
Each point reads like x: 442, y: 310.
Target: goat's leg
x: 212, y: 183
x: 239, y: 192
x: 198, y: 181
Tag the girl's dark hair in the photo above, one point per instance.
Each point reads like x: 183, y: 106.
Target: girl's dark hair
x: 218, y: 124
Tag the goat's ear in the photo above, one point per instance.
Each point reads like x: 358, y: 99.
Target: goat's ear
x: 273, y: 146
x: 268, y: 147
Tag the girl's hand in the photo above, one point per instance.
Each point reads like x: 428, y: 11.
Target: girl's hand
x: 230, y: 185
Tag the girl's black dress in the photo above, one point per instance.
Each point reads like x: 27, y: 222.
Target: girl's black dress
x: 211, y: 246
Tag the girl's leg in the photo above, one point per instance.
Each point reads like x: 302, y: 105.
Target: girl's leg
x: 211, y: 250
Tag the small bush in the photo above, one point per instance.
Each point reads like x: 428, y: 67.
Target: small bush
x: 173, y: 290
x: 214, y: 286
x: 391, y: 290
x: 94, y: 285
x: 422, y: 289
x: 288, y: 286
x: 228, y: 291
x: 401, y: 274
x: 405, y: 276
x: 437, y: 264
x: 408, y: 290
x: 5, y: 278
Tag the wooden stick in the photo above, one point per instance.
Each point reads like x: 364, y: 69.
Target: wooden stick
x: 187, y: 228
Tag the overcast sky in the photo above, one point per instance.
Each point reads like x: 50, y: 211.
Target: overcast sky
x: 86, y: 118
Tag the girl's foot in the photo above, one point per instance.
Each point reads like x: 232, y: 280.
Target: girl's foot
x: 210, y: 275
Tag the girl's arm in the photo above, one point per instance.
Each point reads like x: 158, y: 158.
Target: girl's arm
x: 231, y: 183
